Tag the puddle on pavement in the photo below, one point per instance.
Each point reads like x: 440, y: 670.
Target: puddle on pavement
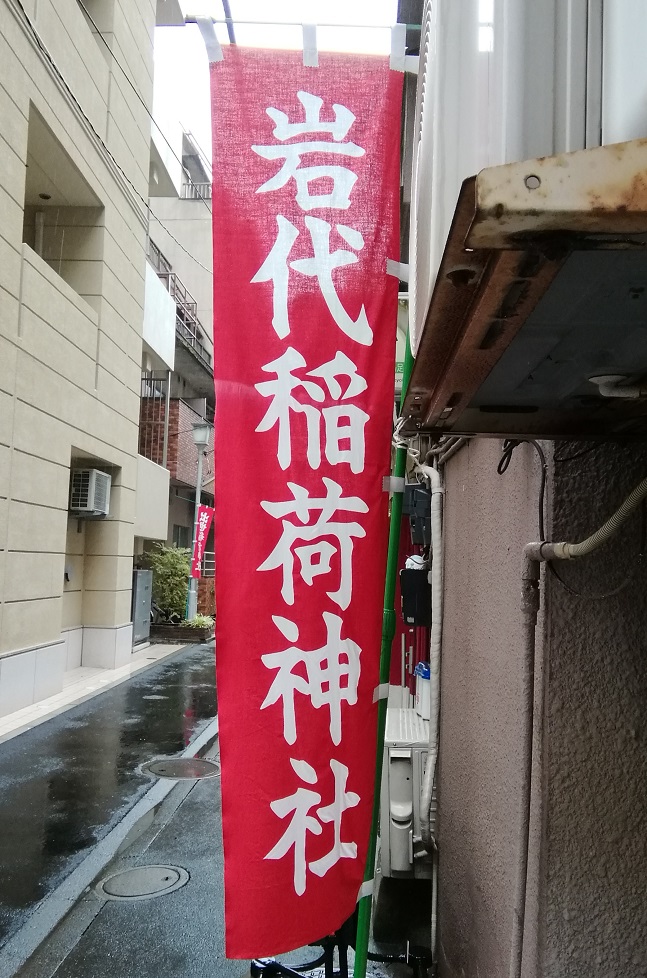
x: 68, y: 781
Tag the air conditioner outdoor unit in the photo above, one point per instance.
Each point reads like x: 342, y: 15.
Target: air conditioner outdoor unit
x: 90, y: 493
x: 405, y: 753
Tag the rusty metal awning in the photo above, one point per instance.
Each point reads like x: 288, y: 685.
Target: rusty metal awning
x: 542, y: 285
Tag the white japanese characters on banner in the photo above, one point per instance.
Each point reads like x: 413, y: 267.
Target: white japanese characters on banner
x: 305, y: 203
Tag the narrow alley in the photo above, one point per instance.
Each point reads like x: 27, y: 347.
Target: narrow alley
x: 69, y: 781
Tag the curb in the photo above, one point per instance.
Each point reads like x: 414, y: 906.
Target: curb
x: 49, y: 913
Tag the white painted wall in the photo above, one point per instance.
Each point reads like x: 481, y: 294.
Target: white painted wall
x: 151, y: 517
x: 159, y: 318
x: 624, y: 82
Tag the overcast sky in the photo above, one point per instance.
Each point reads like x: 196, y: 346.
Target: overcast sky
x: 181, y: 69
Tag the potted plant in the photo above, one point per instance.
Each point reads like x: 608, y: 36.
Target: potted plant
x: 170, y: 566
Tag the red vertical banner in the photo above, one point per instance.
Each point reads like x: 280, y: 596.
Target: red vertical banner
x: 305, y: 214
x: 203, y: 523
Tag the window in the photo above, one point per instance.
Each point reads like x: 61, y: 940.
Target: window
x: 181, y: 536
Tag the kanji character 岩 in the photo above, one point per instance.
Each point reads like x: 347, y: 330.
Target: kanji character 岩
x: 343, y: 179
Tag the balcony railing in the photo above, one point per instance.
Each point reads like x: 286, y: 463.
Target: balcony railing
x: 196, y: 191
x: 154, y: 417
x: 208, y: 566
x: 187, y: 324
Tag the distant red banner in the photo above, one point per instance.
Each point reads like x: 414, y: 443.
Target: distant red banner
x: 305, y: 205
x: 203, y: 523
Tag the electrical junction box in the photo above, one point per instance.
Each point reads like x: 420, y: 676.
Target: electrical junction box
x: 416, y: 505
x: 416, y: 597
x: 405, y: 754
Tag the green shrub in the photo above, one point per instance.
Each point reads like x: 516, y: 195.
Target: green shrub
x: 200, y: 621
x: 170, y: 566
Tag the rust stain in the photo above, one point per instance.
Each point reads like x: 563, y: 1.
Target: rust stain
x: 622, y: 198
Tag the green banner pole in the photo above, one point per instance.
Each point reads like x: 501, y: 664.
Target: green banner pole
x: 388, y: 632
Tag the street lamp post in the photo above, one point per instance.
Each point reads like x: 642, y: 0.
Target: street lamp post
x: 201, y: 432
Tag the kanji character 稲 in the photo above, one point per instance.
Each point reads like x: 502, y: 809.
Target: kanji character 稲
x: 342, y: 423
x: 299, y: 805
x: 283, y: 402
x: 331, y: 675
x: 315, y: 557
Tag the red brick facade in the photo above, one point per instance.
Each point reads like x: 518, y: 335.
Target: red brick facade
x: 206, y: 596
x: 182, y: 460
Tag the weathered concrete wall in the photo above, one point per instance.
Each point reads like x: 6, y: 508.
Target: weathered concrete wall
x: 595, y: 849
x: 586, y: 914
x: 488, y: 519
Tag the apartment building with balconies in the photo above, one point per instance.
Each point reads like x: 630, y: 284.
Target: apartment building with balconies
x: 76, y: 83
x: 179, y: 392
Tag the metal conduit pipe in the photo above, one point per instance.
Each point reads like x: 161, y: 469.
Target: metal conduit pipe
x: 533, y: 555
x: 443, y: 445
x: 426, y: 792
x: 457, y: 445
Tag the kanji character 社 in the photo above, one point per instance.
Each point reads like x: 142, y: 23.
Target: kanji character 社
x: 299, y: 805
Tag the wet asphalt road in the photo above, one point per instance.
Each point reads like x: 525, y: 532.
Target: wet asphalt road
x: 65, y: 784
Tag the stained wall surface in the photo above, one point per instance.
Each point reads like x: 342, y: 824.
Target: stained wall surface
x: 588, y: 856
x: 488, y: 519
x: 595, y: 845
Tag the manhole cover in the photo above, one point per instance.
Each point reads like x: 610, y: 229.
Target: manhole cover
x: 143, y: 882
x: 182, y: 768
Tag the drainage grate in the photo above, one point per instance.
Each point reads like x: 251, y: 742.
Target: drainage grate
x: 142, y: 882
x: 182, y: 768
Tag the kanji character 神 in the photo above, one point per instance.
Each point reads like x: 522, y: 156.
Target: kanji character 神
x: 299, y: 805
x: 331, y: 675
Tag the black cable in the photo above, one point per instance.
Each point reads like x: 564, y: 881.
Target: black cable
x: 509, y: 446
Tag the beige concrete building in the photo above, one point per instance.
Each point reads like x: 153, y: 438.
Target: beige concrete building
x: 76, y: 85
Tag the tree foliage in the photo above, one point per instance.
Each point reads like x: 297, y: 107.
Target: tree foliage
x: 170, y: 566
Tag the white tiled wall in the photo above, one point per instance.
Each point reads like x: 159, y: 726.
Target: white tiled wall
x: 73, y: 645
x: 17, y: 674
x: 107, y: 648
x: 30, y: 676
x: 50, y: 668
